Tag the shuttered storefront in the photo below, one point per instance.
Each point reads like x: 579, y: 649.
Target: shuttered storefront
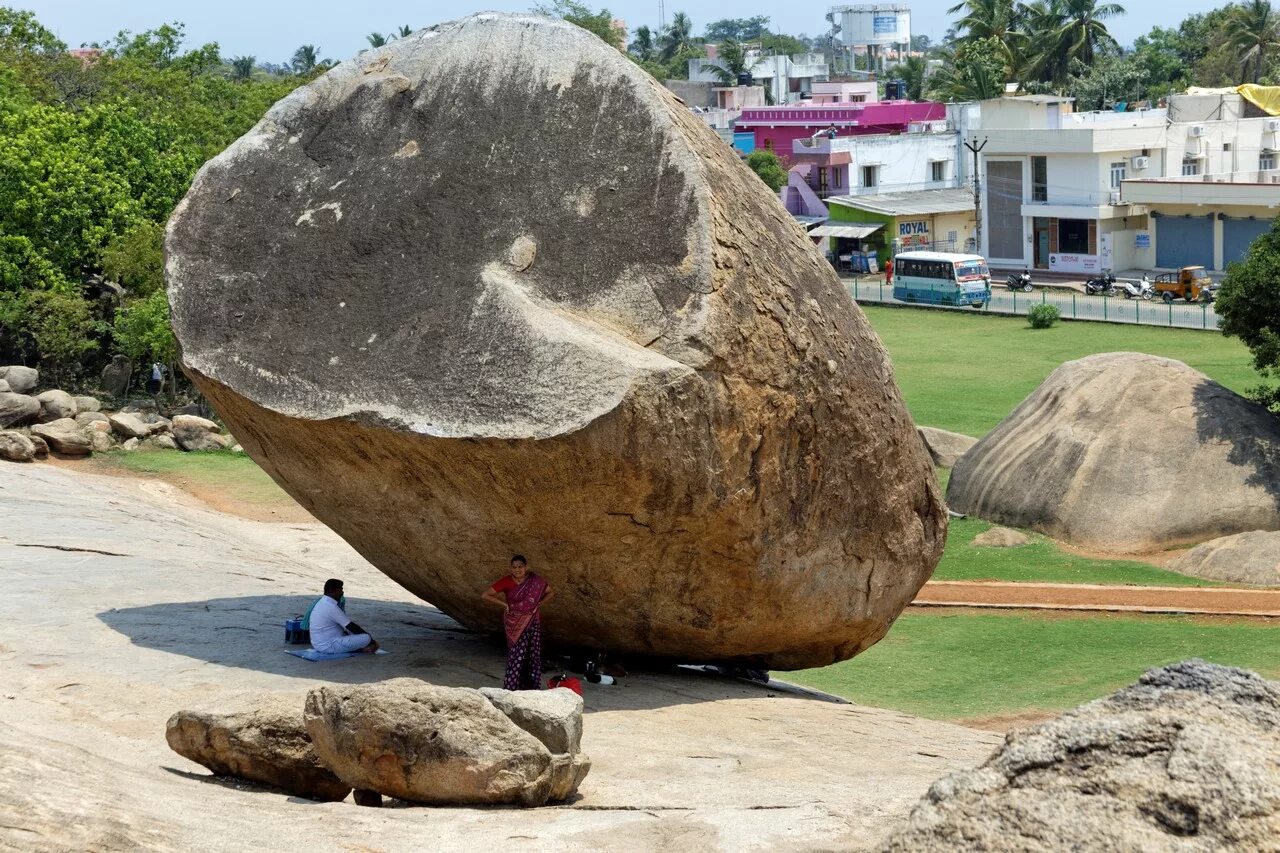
x: 1184, y: 241
x: 1238, y: 235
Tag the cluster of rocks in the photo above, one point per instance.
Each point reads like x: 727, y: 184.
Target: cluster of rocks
x: 33, y: 424
x: 1183, y: 760
x: 402, y: 738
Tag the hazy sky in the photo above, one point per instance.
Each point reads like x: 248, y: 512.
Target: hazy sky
x: 272, y: 29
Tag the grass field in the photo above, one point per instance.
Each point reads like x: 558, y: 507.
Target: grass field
x: 232, y: 475
x: 954, y: 666
x: 965, y: 372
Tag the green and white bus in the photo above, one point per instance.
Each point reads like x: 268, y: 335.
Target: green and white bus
x: 941, y: 278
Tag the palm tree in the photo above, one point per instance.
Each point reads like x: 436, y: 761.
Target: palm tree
x: 305, y: 59
x: 730, y: 63
x: 678, y: 36
x: 378, y: 39
x: 242, y: 67
x: 405, y: 30
x: 643, y: 47
x: 912, y: 71
x: 1253, y: 29
x: 994, y: 19
x: 1082, y: 32
x: 1042, y: 21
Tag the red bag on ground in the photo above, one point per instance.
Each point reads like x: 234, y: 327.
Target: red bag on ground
x: 567, y: 681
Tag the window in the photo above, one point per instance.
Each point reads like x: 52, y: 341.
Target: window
x: 1267, y: 161
x: 1117, y: 174
x: 870, y: 176
x: 938, y: 170
x: 835, y: 177
x: 1039, y: 179
x: 822, y: 181
x: 1190, y: 166
x: 1073, y: 236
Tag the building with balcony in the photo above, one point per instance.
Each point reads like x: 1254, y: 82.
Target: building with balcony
x: 1086, y: 192
x: 787, y: 79
x: 777, y: 129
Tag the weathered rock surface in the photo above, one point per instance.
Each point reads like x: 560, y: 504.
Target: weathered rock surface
x: 162, y: 441
x: 56, y: 405
x: 100, y: 441
x: 1183, y: 760
x: 21, y: 379
x: 115, y: 376
x: 129, y: 425
x: 184, y: 421
x: 87, y: 404
x: 16, y: 447
x: 1252, y: 558
x: 64, y: 436
x: 17, y: 409
x: 268, y: 744
x: 197, y: 438
x: 1001, y: 537
x: 554, y: 717
x: 1126, y: 452
x: 41, y: 446
x: 86, y: 418
x: 413, y: 740
x: 4, y: 386
x: 945, y: 447
x: 642, y: 375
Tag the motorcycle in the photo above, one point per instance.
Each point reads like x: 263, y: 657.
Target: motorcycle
x: 1136, y: 289
x: 1104, y: 284
x: 1019, y: 281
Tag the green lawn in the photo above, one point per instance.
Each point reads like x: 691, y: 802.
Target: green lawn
x: 956, y: 666
x: 966, y: 372
x: 234, y: 474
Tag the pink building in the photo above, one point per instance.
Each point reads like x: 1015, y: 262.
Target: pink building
x: 776, y: 128
x: 845, y: 92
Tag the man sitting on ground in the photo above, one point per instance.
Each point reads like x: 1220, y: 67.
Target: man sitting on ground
x: 332, y: 631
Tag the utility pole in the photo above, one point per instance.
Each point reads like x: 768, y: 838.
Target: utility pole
x: 977, y: 194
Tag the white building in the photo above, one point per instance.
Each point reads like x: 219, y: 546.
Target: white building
x: 1085, y: 192
x: 787, y: 79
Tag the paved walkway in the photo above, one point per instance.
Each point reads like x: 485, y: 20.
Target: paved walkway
x: 1216, y: 601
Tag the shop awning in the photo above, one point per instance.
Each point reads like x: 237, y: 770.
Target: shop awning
x: 856, y: 232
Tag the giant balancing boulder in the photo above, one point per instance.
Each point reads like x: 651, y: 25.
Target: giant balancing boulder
x: 490, y: 289
x: 1126, y: 452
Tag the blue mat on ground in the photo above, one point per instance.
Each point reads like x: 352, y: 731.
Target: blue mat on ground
x: 313, y: 655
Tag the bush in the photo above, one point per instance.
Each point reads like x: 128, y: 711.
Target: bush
x: 1043, y: 316
x: 767, y: 165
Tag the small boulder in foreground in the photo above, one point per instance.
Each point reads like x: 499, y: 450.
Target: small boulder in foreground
x: 1252, y: 558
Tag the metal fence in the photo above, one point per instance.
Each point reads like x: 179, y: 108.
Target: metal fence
x: 1073, y: 306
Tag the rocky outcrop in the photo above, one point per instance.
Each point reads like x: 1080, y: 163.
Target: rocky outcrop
x: 16, y: 447
x: 115, y: 376
x: 56, y: 405
x: 554, y: 717
x: 186, y: 421
x: 21, y: 380
x: 198, y: 438
x: 945, y: 448
x: 268, y: 744
x: 1252, y: 558
x: 1001, y: 537
x: 128, y: 425
x: 442, y: 745
x: 1183, y: 760
x: 87, y: 404
x: 622, y: 359
x: 64, y: 436
x: 1126, y: 452
x: 17, y: 409
x: 86, y: 418
x: 41, y: 446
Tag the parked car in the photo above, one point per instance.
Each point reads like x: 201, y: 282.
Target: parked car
x: 1189, y: 283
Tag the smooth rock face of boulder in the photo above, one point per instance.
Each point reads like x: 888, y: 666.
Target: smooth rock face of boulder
x: 1001, y: 537
x: 268, y: 744
x: 17, y: 409
x: 554, y: 717
x: 621, y: 358
x: 86, y: 418
x: 1183, y: 760
x: 128, y: 425
x: 56, y: 405
x: 87, y: 404
x: 1125, y: 452
x: 194, y: 422
x: 16, y: 447
x: 443, y: 745
x: 41, y: 446
x: 1252, y: 558
x: 4, y: 387
x: 100, y: 441
x: 196, y: 438
x: 945, y: 447
x: 162, y: 441
x: 64, y: 436
x: 22, y: 380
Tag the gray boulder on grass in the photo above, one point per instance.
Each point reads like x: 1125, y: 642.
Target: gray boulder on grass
x: 17, y: 409
x: 161, y: 441
x: 1186, y: 759
x: 268, y: 744
x: 64, y: 436
x: 197, y: 438
x: 416, y: 741
x: 1126, y: 452
x: 945, y: 447
x: 16, y: 447
x: 22, y: 380
x: 183, y: 421
x: 1252, y: 558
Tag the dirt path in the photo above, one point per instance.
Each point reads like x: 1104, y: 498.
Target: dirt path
x: 1217, y: 601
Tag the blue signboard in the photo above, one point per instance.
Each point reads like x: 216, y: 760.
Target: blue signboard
x: 1142, y: 240
x: 885, y: 24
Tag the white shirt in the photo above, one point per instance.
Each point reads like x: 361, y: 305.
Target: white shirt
x: 327, y: 622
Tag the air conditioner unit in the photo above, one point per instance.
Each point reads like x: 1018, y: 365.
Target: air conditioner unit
x: 1115, y: 196
x: 1273, y: 125
x: 1196, y: 130
x: 1141, y: 163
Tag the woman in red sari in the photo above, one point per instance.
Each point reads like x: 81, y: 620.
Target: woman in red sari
x: 524, y: 593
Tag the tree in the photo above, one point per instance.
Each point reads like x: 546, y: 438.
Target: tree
x: 242, y: 67
x: 677, y: 38
x: 643, y: 47
x: 63, y: 329
x: 998, y: 23
x: 911, y: 71
x: 21, y: 33
x: 736, y: 29
x: 135, y: 258
x: 730, y: 63
x: 767, y: 165
x: 142, y: 330
x: 1082, y: 33
x: 974, y: 71
x: 1248, y: 305
x: 1253, y: 31
x: 601, y: 22
x: 378, y: 39
x: 156, y: 48
x: 307, y: 59
x: 404, y: 31
x: 1166, y: 63
x: 1109, y: 80
x: 921, y: 44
